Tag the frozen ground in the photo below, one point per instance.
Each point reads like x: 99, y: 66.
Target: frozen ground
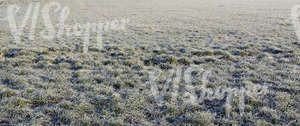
x: 246, y: 43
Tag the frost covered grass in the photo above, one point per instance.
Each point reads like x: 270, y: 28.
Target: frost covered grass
x: 109, y: 86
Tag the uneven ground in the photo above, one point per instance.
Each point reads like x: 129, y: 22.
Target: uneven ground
x: 246, y: 43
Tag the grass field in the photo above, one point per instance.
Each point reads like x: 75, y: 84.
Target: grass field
x: 245, y: 44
